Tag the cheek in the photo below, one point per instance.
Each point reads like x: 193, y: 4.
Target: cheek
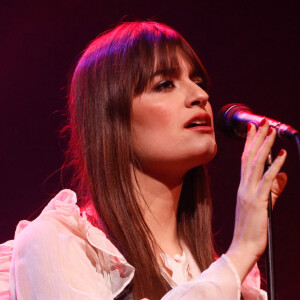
x: 152, y: 130
x: 151, y: 118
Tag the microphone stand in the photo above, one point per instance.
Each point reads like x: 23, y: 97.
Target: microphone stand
x: 269, y: 249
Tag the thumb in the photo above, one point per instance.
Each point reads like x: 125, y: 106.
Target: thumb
x: 278, y: 186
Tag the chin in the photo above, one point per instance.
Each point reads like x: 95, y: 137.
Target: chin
x: 211, y: 155
x: 206, y: 155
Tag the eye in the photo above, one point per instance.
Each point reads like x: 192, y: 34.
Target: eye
x: 201, y: 83
x: 164, y: 86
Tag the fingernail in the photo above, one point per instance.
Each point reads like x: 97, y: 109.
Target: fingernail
x: 249, y: 127
x: 262, y: 122
x: 281, y: 152
x: 270, y: 131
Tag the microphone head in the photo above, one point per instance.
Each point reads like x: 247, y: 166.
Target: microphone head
x: 233, y: 119
x: 225, y: 121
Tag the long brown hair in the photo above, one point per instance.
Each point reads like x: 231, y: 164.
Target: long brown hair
x: 114, y: 68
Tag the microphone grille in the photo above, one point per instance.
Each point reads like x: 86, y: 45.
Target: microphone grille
x: 225, y: 119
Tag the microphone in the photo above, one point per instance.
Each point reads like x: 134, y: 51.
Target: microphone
x: 233, y: 120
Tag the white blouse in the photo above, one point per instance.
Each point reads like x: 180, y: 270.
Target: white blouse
x: 61, y: 255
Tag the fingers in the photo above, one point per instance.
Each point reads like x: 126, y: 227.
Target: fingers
x: 251, y: 132
x: 272, y: 179
x: 254, y: 136
x: 257, y: 148
x: 258, y: 164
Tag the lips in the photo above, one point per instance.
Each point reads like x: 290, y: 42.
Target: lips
x: 198, y: 121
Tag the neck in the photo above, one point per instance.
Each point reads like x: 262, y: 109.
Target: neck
x: 159, y: 200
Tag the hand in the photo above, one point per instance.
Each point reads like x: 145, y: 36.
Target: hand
x: 250, y: 231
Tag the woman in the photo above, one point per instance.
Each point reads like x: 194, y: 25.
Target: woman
x: 141, y: 132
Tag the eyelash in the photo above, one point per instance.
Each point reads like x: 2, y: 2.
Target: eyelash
x: 164, y: 85
x: 202, y: 84
x: 169, y: 84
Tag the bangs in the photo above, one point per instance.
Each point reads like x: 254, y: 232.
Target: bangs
x: 129, y: 56
x: 160, y: 51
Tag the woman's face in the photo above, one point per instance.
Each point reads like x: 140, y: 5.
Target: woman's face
x: 172, y: 122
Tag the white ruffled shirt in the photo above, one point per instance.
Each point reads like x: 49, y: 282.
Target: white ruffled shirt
x: 61, y: 255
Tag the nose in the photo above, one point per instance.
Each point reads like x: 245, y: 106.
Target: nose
x: 196, y: 96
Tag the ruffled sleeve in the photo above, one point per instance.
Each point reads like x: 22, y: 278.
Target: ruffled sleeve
x: 6, y: 250
x: 6, y: 253
x: 251, y: 286
x: 60, y: 255
x: 219, y: 281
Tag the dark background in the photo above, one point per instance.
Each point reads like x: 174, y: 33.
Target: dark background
x: 249, y: 48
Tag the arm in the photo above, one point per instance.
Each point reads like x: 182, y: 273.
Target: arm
x: 222, y: 280
x: 219, y: 281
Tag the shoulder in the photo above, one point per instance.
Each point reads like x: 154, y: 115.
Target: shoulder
x: 63, y: 242
x: 59, y: 220
x: 62, y: 226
